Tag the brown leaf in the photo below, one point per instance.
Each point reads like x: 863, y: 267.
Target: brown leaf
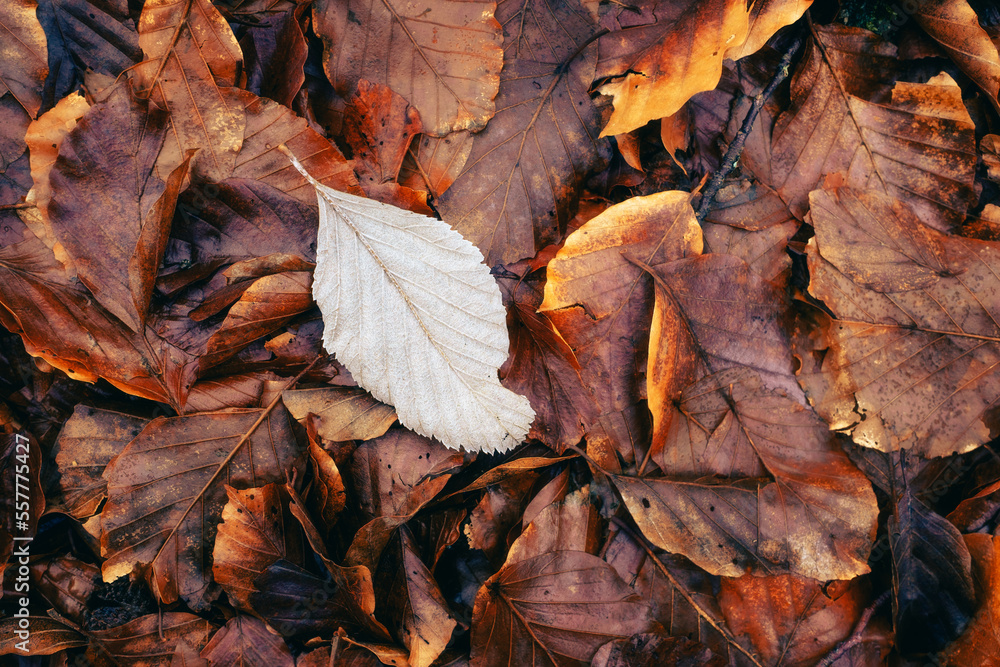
x: 658, y: 649
x: 162, y: 512
x: 58, y: 321
x: 979, y: 644
x: 757, y: 484
x: 955, y: 26
x: 418, y: 615
x: 46, y: 636
x: 22, y: 501
x: 327, y: 495
x: 791, y: 620
x: 275, y: 52
x: 266, y: 306
x: 379, y: 125
x: 245, y: 641
x: 911, y: 141
x: 191, y: 51
x: 662, y: 53
x: 766, y: 18
x: 104, y: 172
x: 543, y: 367
x: 927, y: 315
x: 433, y: 163
x: 554, y: 609
x: 443, y: 59
x: 600, y: 303
x: 232, y: 391
x: 256, y: 531
x: 22, y: 42
x: 571, y: 523
x: 295, y: 602
x: 87, y: 442
x: 520, y: 185
x: 341, y: 413
x: 154, y: 640
x: 397, y: 474
x: 67, y: 584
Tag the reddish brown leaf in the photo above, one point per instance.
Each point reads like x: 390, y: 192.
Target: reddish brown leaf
x: 275, y: 52
x: 156, y: 640
x: 46, y: 636
x: 520, y: 185
x: 456, y: 43
x: 327, y: 495
x: 104, y: 172
x: 256, y: 531
x: 87, y: 442
x: 655, y: 649
x: 23, y: 43
x: 554, y: 609
x: 244, y: 641
x: 67, y: 584
x: 433, y: 163
x: 162, y: 513
x: 979, y: 644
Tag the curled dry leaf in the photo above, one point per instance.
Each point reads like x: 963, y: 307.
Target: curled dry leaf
x: 444, y: 58
x: 87, y: 443
x: 766, y: 18
x: 327, y: 495
x: 520, y: 185
x: 162, y: 512
x: 554, y: 609
x: 600, y: 303
x: 341, y: 413
x: 257, y: 530
x: 954, y: 25
x: 660, y: 53
x: 438, y: 370
x: 245, y: 641
x: 915, y: 304
x: 67, y: 584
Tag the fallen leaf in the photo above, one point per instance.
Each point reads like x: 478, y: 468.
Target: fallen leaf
x: 520, y: 185
x: 979, y: 643
x: 656, y: 649
x: 244, y: 641
x: 927, y: 311
x: 48, y: 636
x: 23, y: 43
x: 341, y: 413
x: 22, y: 501
x: 554, y: 609
x: 328, y: 494
x: 275, y: 51
x: 256, y: 531
x: 791, y: 620
x: 954, y: 25
x: 661, y: 53
x: 150, y: 641
x: 162, y: 513
x: 67, y: 583
x: 104, y: 168
x: 433, y: 163
x: 87, y: 443
x: 912, y: 141
x: 444, y: 59
x: 766, y: 18
x: 366, y: 284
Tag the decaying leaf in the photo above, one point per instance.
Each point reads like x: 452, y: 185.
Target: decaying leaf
x: 444, y: 58
x: 438, y: 366
x: 22, y: 42
x: 553, y: 609
x: 914, y: 344
x: 163, y: 512
x: 520, y: 185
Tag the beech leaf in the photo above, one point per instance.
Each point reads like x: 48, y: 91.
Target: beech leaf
x: 414, y: 314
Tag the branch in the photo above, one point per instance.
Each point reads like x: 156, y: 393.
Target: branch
x: 732, y: 157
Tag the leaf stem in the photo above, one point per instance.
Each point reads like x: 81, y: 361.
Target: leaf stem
x: 856, y: 635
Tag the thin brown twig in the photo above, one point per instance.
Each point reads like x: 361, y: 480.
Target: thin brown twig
x: 857, y: 634
x: 735, y: 150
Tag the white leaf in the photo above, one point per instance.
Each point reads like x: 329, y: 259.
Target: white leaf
x: 411, y: 310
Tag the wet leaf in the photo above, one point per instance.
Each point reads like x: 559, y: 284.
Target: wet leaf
x: 444, y: 59
x: 373, y: 263
x: 554, y: 609
x: 520, y: 185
